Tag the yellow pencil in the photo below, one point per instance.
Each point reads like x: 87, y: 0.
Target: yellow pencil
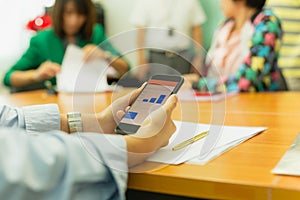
x: 189, y: 141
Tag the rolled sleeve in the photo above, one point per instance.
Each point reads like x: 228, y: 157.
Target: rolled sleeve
x: 41, y: 118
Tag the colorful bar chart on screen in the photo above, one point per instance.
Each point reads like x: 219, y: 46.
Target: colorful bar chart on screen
x: 152, y: 100
x: 161, y: 99
x: 158, y: 100
x: 152, y: 97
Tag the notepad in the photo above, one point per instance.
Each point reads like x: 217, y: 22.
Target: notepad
x: 79, y: 76
x: 230, y: 137
x: 289, y: 164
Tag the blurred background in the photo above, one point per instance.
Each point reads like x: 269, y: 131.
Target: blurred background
x: 15, y: 33
x: 15, y: 16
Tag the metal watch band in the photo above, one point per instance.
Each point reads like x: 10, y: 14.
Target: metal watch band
x: 74, y: 122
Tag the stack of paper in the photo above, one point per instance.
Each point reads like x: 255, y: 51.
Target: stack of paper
x: 290, y: 162
x: 79, y: 76
x: 229, y: 137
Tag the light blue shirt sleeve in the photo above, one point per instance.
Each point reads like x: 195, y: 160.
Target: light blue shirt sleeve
x: 56, y: 165
x: 37, y: 118
x: 61, y: 166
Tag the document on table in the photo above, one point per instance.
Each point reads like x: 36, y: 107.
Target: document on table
x: 289, y: 164
x: 79, y: 76
x: 230, y: 137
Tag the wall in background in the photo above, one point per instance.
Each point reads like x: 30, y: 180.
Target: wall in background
x: 214, y: 18
x: 14, y: 38
x: 118, y: 27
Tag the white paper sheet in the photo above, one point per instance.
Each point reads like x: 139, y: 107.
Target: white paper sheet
x: 289, y: 164
x: 79, y: 76
x: 230, y: 137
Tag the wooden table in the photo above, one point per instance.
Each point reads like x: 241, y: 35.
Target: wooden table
x: 241, y: 173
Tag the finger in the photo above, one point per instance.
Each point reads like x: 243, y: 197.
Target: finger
x: 55, y: 68
x: 170, y: 132
x: 48, y: 62
x: 52, y: 71
x: 120, y: 114
x: 123, y: 102
x: 127, y: 108
x: 87, y: 53
x: 48, y: 74
x: 171, y: 103
x: 136, y: 92
x: 86, y: 57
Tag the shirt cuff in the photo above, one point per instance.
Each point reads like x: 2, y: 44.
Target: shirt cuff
x: 41, y: 118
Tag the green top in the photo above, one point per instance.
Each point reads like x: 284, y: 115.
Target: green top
x: 46, y: 45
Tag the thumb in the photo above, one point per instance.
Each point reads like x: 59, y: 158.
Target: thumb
x: 170, y: 103
x: 135, y: 93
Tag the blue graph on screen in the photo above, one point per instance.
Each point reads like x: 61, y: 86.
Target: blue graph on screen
x: 158, y: 100
x: 130, y: 115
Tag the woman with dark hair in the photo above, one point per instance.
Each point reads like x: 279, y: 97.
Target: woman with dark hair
x: 74, y: 22
x: 245, y: 49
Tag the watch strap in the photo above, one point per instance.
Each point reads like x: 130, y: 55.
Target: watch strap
x: 74, y: 122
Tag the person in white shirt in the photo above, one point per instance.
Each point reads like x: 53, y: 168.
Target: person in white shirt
x: 166, y: 30
x: 38, y: 161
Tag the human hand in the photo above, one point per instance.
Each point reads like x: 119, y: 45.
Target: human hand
x: 45, y: 71
x: 110, y: 117
x: 189, y: 79
x: 92, y: 52
x: 153, y: 134
x: 158, y: 125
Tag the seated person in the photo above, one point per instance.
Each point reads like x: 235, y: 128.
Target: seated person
x: 74, y: 22
x: 45, y: 163
x: 165, y: 31
x: 244, y: 51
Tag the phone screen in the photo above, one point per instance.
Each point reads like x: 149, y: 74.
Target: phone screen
x: 152, y: 97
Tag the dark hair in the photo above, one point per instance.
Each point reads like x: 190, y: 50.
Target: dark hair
x: 257, y: 4
x: 85, y: 7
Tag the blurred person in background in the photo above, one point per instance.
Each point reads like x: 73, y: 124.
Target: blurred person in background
x: 74, y: 22
x: 172, y: 30
x: 244, y: 51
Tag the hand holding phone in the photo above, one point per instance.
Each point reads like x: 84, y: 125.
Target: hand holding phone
x: 153, y: 95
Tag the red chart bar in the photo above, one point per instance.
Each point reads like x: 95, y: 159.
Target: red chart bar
x: 161, y: 82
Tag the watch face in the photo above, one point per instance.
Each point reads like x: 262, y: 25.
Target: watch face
x: 74, y: 122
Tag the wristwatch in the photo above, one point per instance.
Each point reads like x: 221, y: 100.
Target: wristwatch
x: 74, y: 122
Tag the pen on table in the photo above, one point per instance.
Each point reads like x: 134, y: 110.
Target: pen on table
x: 190, y: 141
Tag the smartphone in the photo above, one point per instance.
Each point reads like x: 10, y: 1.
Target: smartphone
x: 153, y: 95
